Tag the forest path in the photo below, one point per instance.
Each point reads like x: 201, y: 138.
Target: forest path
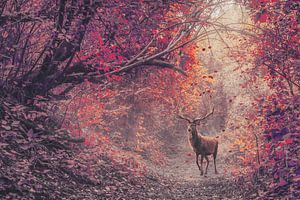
x: 187, y: 183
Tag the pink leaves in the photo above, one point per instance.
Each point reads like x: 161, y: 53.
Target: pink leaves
x: 262, y: 17
x: 258, y: 3
x: 163, y: 40
x: 282, y: 183
x: 116, y: 77
x: 288, y: 141
x: 111, y: 56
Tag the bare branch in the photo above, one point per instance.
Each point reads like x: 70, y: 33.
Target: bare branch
x: 140, y: 54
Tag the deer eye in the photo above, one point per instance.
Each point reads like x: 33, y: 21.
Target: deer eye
x: 189, y: 130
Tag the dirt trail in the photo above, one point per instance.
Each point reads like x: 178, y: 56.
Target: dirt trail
x: 187, y: 183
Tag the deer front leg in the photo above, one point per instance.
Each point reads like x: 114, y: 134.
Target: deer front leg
x: 207, y: 162
x: 197, y: 162
x: 201, y: 164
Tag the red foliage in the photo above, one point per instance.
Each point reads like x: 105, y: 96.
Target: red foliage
x: 278, y: 50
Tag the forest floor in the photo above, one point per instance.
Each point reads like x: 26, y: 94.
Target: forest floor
x: 178, y: 179
x: 186, y: 183
x: 32, y: 170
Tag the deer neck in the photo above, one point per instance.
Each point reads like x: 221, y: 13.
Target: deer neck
x: 195, y: 136
x: 195, y: 141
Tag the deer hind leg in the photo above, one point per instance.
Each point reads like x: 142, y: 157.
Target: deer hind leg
x: 215, y: 156
x: 197, y: 162
x: 207, y: 162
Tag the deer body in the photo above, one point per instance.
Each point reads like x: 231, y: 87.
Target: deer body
x: 202, y: 145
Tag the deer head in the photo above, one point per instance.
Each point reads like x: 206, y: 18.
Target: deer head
x: 193, y: 123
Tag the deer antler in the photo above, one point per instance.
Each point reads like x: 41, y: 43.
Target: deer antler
x: 180, y: 116
x: 206, y: 116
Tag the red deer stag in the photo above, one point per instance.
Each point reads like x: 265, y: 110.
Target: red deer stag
x: 202, y: 145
